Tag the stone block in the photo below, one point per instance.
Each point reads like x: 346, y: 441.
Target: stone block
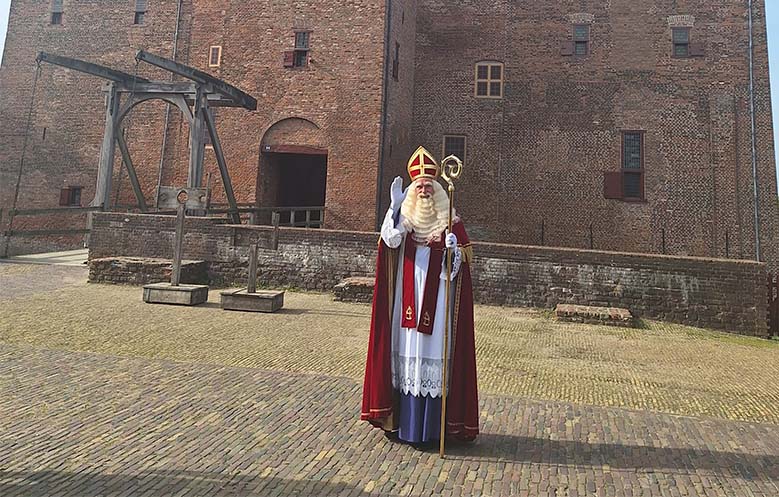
x: 358, y: 290
x: 610, y: 316
x: 165, y: 293
x: 242, y: 300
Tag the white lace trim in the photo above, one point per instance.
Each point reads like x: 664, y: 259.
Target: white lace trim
x: 418, y: 376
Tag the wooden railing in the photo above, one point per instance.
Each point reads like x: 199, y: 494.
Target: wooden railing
x: 298, y: 217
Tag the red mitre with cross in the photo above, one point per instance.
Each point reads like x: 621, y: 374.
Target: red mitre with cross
x: 422, y: 165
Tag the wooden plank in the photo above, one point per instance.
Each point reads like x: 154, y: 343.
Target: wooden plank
x: 46, y: 232
x: 53, y: 210
x: 293, y: 149
x: 89, y: 68
x: 247, y: 101
x: 220, y: 160
x: 131, y: 172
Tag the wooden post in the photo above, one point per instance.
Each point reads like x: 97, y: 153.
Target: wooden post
x: 252, y: 286
x: 196, y: 147
x: 178, y: 243
x: 275, y: 219
x: 107, y: 150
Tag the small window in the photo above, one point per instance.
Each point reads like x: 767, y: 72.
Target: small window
x: 396, y: 62
x: 581, y: 40
x: 215, y: 56
x: 56, y: 12
x: 454, y: 145
x: 489, y: 80
x: 681, y: 40
x: 140, y: 11
x: 627, y: 184
x: 302, y: 47
x: 633, y: 165
x: 70, y: 196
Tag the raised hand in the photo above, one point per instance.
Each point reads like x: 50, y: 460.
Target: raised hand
x: 397, y: 194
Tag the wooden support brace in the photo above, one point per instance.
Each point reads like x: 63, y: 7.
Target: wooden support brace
x: 131, y: 171
x: 220, y: 160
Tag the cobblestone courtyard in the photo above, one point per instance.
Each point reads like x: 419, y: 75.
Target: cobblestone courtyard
x: 105, y: 395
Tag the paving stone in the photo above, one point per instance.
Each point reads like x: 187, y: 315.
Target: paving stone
x: 247, y: 407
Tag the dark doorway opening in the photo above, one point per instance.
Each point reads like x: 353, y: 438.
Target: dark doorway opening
x: 300, y: 188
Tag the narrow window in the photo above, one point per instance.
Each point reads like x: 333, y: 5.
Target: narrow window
x: 140, y: 11
x: 489, y: 80
x: 56, y: 11
x: 581, y: 40
x: 396, y: 62
x: 454, y: 145
x: 215, y: 56
x: 633, y: 165
x: 302, y: 46
x: 70, y: 196
x: 681, y: 40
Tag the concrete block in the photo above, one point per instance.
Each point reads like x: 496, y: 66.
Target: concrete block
x: 262, y: 301
x: 165, y: 293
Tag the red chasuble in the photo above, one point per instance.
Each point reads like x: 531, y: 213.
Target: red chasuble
x: 379, y: 401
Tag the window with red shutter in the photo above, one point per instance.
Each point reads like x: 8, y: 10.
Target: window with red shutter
x: 567, y: 48
x: 612, y: 185
x: 65, y: 196
x: 289, y: 58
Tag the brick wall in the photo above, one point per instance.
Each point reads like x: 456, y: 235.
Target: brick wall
x: 536, y: 158
x: 722, y: 294
x: 339, y: 93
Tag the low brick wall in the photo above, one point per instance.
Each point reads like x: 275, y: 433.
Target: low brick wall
x: 723, y: 294
x: 143, y: 271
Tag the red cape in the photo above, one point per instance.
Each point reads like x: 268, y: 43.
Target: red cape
x: 379, y: 400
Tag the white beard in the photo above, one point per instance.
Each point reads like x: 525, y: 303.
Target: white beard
x: 426, y: 217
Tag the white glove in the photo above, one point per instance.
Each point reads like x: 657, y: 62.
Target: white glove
x: 451, y: 240
x: 397, y: 194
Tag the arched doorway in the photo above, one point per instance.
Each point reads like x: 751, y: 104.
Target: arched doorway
x: 293, y: 172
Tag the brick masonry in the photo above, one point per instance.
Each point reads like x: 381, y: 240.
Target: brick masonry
x: 535, y: 158
x: 721, y: 294
x: 142, y: 271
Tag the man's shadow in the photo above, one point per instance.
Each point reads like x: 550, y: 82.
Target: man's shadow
x: 516, y: 449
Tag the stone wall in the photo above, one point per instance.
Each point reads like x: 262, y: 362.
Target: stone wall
x: 143, y: 271
x: 722, y: 294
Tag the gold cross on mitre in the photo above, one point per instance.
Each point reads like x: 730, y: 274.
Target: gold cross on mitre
x: 422, y: 165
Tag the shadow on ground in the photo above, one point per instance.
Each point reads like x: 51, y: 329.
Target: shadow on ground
x: 508, y: 448
x: 163, y: 483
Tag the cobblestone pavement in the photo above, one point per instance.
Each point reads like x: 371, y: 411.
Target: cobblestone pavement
x: 77, y: 424
x: 21, y: 280
x: 104, y: 395
x: 520, y: 352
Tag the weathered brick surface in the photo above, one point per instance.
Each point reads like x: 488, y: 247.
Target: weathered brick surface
x: 142, y: 271
x: 535, y: 159
x: 537, y: 156
x: 358, y: 290
x: 609, y: 316
x: 723, y: 294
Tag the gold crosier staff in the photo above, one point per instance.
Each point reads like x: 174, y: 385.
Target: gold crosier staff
x: 451, y: 168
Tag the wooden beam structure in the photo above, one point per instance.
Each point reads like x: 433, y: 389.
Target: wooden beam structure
x: 90, y: 68
x: 193, y: 98
x: 239, y: 97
